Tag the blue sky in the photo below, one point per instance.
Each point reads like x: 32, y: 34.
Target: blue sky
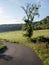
x: 11, y: 12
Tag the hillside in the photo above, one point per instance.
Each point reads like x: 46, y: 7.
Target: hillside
x: 10, y: 27
x: 43, y: 24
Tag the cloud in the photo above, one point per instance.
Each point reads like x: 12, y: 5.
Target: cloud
x: 1, y: 10
x: 7, y: 20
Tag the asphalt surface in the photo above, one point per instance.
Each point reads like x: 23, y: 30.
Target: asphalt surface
x: 19, y: 55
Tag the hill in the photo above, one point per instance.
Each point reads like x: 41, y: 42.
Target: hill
x: 43, y: 24
x: 10, y: 27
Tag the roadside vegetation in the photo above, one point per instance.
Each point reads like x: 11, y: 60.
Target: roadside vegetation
x: 40, y: 47
x: 2, y: 47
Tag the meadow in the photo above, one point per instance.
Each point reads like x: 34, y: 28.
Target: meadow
x: 19, y: 38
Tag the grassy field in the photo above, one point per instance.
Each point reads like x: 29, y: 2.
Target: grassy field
x: 39, y: 48
x: 44, y: 33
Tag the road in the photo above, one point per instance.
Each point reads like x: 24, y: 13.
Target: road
x: 19, y: 55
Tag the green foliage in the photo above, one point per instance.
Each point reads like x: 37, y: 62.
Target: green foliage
x: 40, y: 39
x: 1, y: 45
x: 28, y: 28
x: 2, y: 48
x: 43, y: 24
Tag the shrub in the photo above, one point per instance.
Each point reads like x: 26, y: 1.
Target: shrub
x: 34, y: 40
x: 40, y: 39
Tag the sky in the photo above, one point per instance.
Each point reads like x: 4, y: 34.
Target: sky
x: 12, y: 13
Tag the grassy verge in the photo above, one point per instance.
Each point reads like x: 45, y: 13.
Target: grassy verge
x: 40, y: 48
x: 2, y: 47
x: 43, y: 52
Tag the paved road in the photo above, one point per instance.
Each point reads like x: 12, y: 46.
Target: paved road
x: 19, y: 55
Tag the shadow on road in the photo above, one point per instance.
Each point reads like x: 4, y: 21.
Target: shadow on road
x: 6, y: 57
x: 3, y: 49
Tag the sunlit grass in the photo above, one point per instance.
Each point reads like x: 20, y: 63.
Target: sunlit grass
x: 44, y: 33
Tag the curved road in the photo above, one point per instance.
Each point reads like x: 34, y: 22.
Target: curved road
x: 19, y: 55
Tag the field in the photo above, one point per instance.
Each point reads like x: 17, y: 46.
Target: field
x: 39, y: 48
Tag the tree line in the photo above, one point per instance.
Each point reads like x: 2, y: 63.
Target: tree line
x: 43, y: 24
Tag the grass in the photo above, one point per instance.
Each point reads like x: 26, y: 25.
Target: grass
x: 43, y: 52
x: 39, y: 48
x: 1, y: 46
x: 44, y: 33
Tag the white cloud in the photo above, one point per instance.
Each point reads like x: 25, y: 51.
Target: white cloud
x: 7, y: 19
x: 1, y: 10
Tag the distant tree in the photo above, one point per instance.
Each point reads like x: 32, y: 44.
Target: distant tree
x: 31, y: 10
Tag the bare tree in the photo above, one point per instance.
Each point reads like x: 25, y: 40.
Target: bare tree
x: 31, y: 10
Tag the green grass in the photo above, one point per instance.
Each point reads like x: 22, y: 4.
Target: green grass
x: 43, y: 52
x: 44, y: 33
x: 39, y: 48
x: 1, y: 46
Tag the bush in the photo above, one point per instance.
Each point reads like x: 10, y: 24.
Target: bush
x: 3, y: 49
x: 34, y: 40
x: 40, y: 39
